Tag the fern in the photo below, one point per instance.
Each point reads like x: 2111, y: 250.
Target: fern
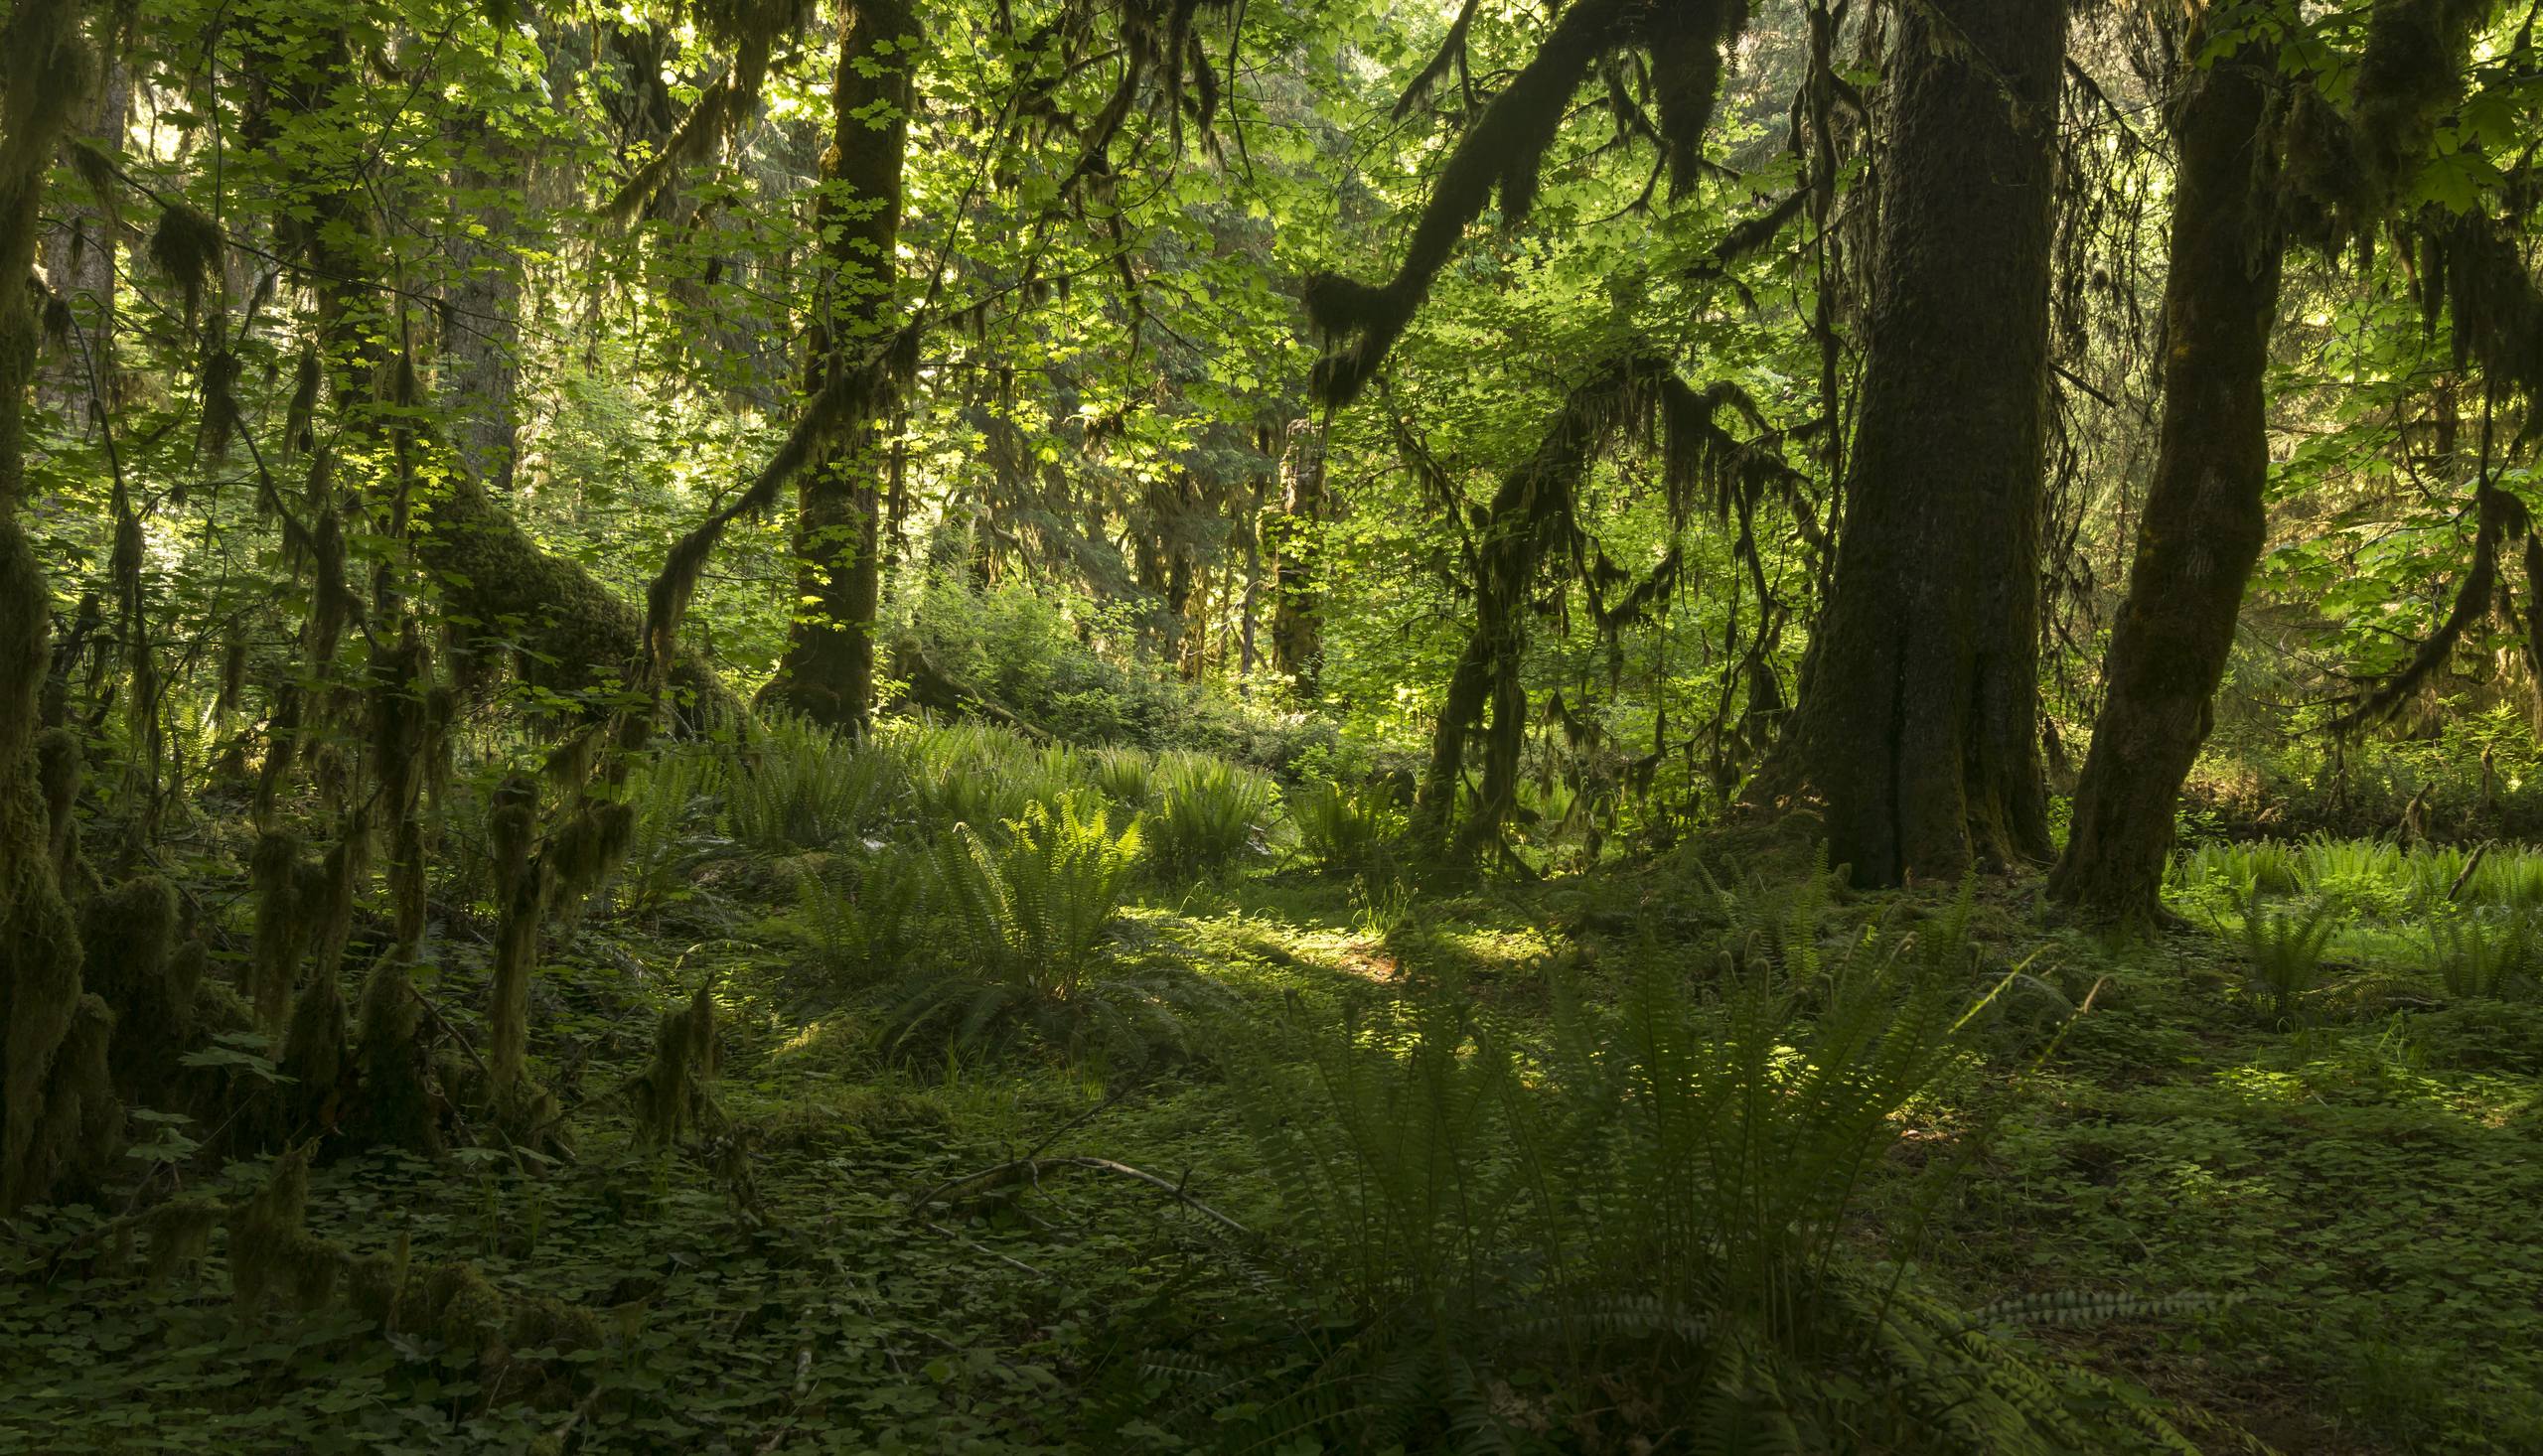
x: 1675, y: 1174
x: 2480, y: 957
x: 857, y: 929
x: 1209, y: 813
x: 1347, y: 830
x: 2284, y: 950
x: 801, y: 787
x: 667, y: 835
x: 1029, y: 910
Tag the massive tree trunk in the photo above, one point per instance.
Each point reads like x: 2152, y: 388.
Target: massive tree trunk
x: 1296, y: 633
x: 2205, y: 519
x: 51, y: 1032
x: 1918, y: 727
x: 828, y: 673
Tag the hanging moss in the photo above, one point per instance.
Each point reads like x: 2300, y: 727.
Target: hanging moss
x: 398, y: 1107
x: 511, y: 825
x: 313, y: 1057
x: 79, y: 1121
x: 179, y: 1233
x: 272, y: 1255
x: 187, y: 247
x: 129, y: 935
x: 586, y: 848
x: 274, y: 964
x: 670, y: 1094
x: 40, y: 1000
x: 57, y: 778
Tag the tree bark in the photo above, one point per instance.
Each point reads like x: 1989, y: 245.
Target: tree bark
x: 1298, y: 645
x: 1917, y: 733
x: 80, y: 263
x: 481, y: 323
x: 2205, y: 520
x: 828, y: 673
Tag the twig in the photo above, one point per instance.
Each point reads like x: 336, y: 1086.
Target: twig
x: 2465, y: 877
x: 977, y: 1247
x: 1030, y: 1170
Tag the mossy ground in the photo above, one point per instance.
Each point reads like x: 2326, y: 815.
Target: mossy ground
x: 2354, y: 1196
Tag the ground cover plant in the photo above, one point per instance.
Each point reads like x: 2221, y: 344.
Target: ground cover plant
x: 1032, y: 725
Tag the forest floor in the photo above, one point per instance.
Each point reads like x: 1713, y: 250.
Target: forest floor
x: 2319, y: 1235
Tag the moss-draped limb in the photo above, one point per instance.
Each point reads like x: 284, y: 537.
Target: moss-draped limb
x: 1504, y: 149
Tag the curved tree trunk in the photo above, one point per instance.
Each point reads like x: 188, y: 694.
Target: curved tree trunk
x: 2204, y: 521
x: 828, y: 673
x: 1918, y: 726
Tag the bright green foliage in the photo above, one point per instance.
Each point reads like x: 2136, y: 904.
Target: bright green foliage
x: 2510, y: 879
x: 2356, y: 876
x: 1030, y: 911
x: 1036, y: 902
x: 2263, y: 867
x: 1124, y: 776
x: 1210, y: 814
x: 983, y: 775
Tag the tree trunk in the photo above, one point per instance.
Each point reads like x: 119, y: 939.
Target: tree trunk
x: 80, y: 264
x: 480, y: 325
x: 1298, y: 645
x: 51, y: 1032
x: 828, y: 674
x: 1918, y: 727
x: 2204, y: 521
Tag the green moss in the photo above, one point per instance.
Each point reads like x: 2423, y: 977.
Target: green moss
x: 274, y: 964
x: 129, y: 935
x: 397, y: 1107
x: 671, y: 1095
x: 272, y: 1255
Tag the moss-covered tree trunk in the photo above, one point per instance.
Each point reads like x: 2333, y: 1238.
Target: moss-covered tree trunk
x: 1917, y: 732
x: 828, y: 673
x: 52, y: 1035
x: 2206, y: 520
